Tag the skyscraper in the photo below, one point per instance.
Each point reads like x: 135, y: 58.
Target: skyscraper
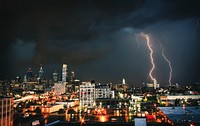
x: 72, y: 76
x: 55, y: 76
x: 64, y: 73
x: 41, y: 72
x: 155, y: 84
x: 29, y: 73
x: 25, y: 79
x: 123, y: 81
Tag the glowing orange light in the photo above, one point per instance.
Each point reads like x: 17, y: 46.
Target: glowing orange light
x: 192, y: 124
x: 103, y: 118
x: 82, y: 121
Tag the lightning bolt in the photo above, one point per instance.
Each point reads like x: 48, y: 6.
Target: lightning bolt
x: 138, y: 42
x: 170, y: 67
x: 151, y: 56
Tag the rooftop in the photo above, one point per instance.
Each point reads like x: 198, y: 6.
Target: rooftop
x: 182, y: 114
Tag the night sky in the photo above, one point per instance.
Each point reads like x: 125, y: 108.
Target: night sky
x: 99, y: 39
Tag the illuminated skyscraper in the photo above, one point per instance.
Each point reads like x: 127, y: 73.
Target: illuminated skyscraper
x: 55, y: 77
x: 25, y: 79
x: 123, y: 81
x: 155, y: 84
x: 29, y: 73
x: 41, y: 72
x: 72, y: 76
x: 64, y: 73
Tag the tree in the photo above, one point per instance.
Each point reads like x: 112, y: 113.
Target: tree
x: 38, y: 111
x: 153, y: 99
x: 61, y: 111
x: 177, y: 102
x: 71, y: 112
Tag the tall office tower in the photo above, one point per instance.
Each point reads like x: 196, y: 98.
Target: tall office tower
x: 18, y: 79
x: 155, y: 84
x: 29, y: 73
x: 7, y: 112
x: 55, y: 76
x: 72, y: 76
x: 123, y: 81
x: 64, y: 73
x: 25, y: 79
x: 41, y: 72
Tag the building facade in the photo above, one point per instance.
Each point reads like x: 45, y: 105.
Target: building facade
x: 64, y: 73
x: 87, y: 95
x: 103, y: 91
x: 59, y: 88
x: 170, y: 99
x: 41, y: 72
x: 122, y: 87
x: 6, y: 111
x: 55, y: 76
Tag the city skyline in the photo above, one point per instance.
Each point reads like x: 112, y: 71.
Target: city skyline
x: 98, y: 40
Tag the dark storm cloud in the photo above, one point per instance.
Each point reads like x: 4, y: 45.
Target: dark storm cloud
x: 86, y: 19
x: 78, y: 32
x: 63, y: 23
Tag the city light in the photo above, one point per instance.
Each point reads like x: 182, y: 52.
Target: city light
x: 82, y: 121
x: 100, y: 63
x: 103, y: 118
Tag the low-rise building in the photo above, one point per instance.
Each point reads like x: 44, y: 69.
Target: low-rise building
x: 122, y: 87
x: 186, y: 115
x: 103, y: 91
x: 59, y: 88
x: 6, y: 111
x: 170, y: 99
x: 47, y: 108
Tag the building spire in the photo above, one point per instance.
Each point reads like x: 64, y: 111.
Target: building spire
x: 64, y: 73
x: 123, y: 81
x: 41, y: 72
